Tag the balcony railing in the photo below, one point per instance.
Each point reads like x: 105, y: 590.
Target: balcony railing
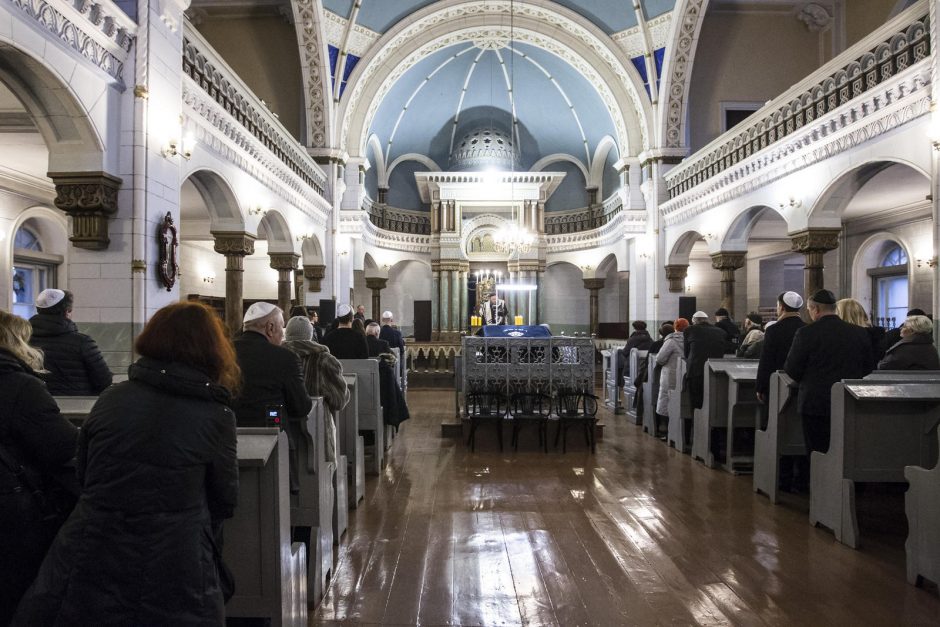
x: 580, y: 220
x: 202, y: 64
x: 898, y: 45
x: 397, y: 220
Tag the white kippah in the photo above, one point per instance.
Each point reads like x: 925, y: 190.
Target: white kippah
x: 343, y: 310
x: 258, y: 311
x: 792, y: 299
x: 387, y: 315
x: 699, y: 314
x: 49, y: 298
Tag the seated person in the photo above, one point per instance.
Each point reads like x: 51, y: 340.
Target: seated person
x: 343, y: 341
x: 750, y: 348
x: 915, y: 351
x: 376, y: 346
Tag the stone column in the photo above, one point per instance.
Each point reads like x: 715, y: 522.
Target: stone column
x: 727, y: 262
x: 235, y: 247
x: 285, y: 264
x: 445, y: 304
x: 376, y: 284
x: 435, y: 301
x: 90, y: 199
x: 314, y: 274
x: 814, y: 243
x: 594, y: 285
x: 462, y: 321
x: 299, y: 287
x: 454, y: 301
x: 676, y: 274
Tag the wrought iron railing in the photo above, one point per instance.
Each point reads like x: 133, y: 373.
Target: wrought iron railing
x: 902, y: 43
x: 212, y: 75
x: 583, y: 219
x: 397, y: 220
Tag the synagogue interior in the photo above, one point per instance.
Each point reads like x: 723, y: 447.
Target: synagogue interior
x: 518, y: 188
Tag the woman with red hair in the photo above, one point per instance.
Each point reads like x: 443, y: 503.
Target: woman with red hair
x: 158, y: 468
x: 668, y: 359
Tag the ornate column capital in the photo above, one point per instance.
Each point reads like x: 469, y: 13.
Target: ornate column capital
x: 235, y: 243
x: 284, y: 261
x: 676, y: 275
x: 314, y: 274
x: 376, y: 282
x: 728, y: 261
x: 593, y: 284
x: 90, y: 199
x: 809, y: 241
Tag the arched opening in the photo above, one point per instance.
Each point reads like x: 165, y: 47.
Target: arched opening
x: 35, y: 263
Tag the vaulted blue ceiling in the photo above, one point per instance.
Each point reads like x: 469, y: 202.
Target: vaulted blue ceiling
x: 611, y: 16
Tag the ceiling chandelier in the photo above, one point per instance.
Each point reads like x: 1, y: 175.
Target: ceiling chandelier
x: 512, y: 238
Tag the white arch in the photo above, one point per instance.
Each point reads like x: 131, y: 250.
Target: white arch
x: 376, y: 145
x: 597, y: 164
x: 687, y: 19
x: 276, y: 232
x: 59, y: 223
x: 411, y: 156
x: 539, y: 22
x: 544, y: 162
x: 682, y: 248
x: 866, y: 257
x: 311, y: 251
x: 225, y: 211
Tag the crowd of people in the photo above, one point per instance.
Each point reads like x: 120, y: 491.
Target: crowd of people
x: 120, y: 522
x: 839, y: 343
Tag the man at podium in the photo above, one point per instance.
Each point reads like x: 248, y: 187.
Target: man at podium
x: 493, y: 311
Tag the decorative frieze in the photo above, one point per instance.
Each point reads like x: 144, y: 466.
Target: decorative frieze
x: 90, y: 199
x: 309, y: 32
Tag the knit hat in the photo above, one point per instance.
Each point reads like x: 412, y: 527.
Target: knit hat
x: 257, y: 311
x: 298, y: 328
x: 49, y: 298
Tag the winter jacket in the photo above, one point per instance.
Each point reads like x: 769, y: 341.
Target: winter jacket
x: 74, y: 362
x: 394, y: 338
x: 33, y: 432
x: 751, y: 347
x: 915, y: 352
x: 271, y: 375
x: 377, y: 346
x: 777, y: 341
x: 158, y: 466
x: 344, y: 343
x: 668, y: 359
x: 394, y: 409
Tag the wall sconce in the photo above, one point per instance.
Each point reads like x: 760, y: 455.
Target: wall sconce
x: 342, y: 252
x: 688, y: 287
x: 709, y: 237
x: 301, y: 238
x: 183, y: 148
x: 209, y: 278
x: 586, y: 268
x: 930, y: 262
x: 792, y: 203
x: 257, y: 211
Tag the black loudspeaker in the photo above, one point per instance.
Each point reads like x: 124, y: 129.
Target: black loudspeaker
x: 422, y: 321
x: 687, y: 307
x: 327, y: 311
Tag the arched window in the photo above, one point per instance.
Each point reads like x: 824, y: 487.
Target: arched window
x: 890, y: 286
x: 894, y: 257
x: 33, y: 269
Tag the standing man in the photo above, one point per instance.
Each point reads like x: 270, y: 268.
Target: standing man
x: 701, y: 341
x: 724, y: 322
x: 343, y: 342
x: 74, y: 362
x: 393, y: 336
x: 494, y: 311
x: 777, y: 341
x: 361, y: 313
x: 824, y: 353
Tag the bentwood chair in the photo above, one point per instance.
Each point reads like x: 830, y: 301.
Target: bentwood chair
x: 530, y: 408
x: 576, y: 408
x: 485, y: 406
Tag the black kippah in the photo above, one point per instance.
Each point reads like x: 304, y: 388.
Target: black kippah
x: 824, y: 297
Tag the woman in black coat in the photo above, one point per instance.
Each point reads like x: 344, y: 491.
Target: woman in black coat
x: 158, y: 467
x: 915, y: 351
x: 32, y: 434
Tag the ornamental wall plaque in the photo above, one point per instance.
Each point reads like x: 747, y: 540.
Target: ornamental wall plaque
x: 168, y: 243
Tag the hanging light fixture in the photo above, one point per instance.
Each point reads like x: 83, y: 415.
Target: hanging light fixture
x: 514, y: 238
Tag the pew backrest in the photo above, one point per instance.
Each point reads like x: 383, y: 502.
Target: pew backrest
x: 369, y: 410
x: 75, y: 408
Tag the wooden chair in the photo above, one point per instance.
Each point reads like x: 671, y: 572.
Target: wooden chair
x: 482, y: 406
x: 576, y: 408
x: 530, y: 407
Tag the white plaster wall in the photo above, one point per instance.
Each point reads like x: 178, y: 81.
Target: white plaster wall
x: 566, y: 301
x: 408, y: 281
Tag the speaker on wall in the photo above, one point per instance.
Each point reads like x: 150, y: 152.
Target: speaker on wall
x: 327, y: 311
x: 686, y: 307
x: 422, y: 321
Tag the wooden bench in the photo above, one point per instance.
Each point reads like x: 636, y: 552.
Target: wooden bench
x: 878, y: 428
x: 922, y: 505
x: 635, y: 414
x: 369, y: 407
x: 611, y: 359
x: 650, y: 395
x: 312, y: 508
x: 680, y: 411
x: 351, y: 443
x: 270, y: 573
x: 744, y: 412
x: 782, y: 436
x: 716, y: 407
x: 75, y: 409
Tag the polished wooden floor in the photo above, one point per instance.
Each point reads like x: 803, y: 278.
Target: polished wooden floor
x: 636, y: 535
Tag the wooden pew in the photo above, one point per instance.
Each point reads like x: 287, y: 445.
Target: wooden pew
x: 714, y: 412
x: 743, y: 412
x: 270, y: 572
x: 782, y: 436
x: 878, y: 428
x: 370, y: 407
x: 75, y: 408
x: 635, y: 414
x: 351, y: 443
x: 922, y: 505
x: 650, y: 395
x: 312, y: 508
x: 611, y: 358
x: 680, y: 411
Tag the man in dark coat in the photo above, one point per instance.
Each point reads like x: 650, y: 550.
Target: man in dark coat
x: 74, y: 362
x: 640, y: 339
x: 824, y: 353
x: 376, y: 346
x: 777, y: 341
x: 701, y: 341
x: 724, y: 322
x: 393, y: 336
x: 343, y: 342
